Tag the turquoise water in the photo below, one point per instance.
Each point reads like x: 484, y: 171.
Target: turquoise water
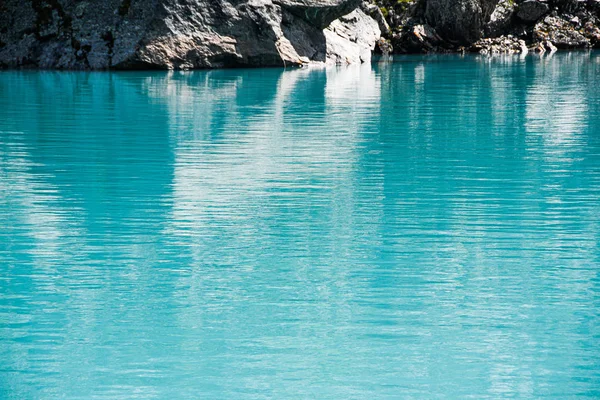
x: 427, y: 228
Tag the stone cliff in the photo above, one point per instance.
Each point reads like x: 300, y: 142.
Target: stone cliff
x: 186, y: 34
x: 182, y: 34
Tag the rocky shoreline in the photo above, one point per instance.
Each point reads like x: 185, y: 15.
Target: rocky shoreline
x: 488, y: 26
x: 183, y: 34
x: 189, y: 34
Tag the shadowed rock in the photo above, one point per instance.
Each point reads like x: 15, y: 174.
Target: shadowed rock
x: 419, y: 26
x: 319, y: 13
x: 461, y: 21
x: 500, y: 20
x: 531, y: 11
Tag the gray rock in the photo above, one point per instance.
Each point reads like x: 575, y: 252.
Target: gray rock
x: 461, y: 21
x: 531, y: 11
x: 420, y: 38
x: 551, y: 47
x: 559, y: 32
x: 592, y: 32
x: 182, y: 34
x: 575, y: 21
x: 385, y: 46
x: 500, y: 20
x: 377, y: 15
x: 500, y: 45
x: 544, y: 46
x: 319, y: 13
x: 351, y: 38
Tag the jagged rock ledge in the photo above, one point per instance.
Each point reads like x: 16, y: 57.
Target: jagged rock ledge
x: 183, y: 34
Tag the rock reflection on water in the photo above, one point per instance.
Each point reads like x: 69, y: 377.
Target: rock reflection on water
x: 422, y: 228
x: 249, y: 175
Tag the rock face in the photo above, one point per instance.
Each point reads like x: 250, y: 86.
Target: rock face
x: 182, y: 34
x: 350, y: 39
x: 561, y: 33
x: 531, y: 10
x: 319, y: 13
x: 500, y: 19
x: 421, y: 38
x: 491, y: 26
x: 461, y: 21
x: 377, y: 15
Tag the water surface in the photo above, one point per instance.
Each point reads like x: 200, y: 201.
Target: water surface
x: 427, y: 228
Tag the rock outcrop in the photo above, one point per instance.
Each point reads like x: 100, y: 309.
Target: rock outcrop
x: 461, y: 21
x: 491, y: 26
x: 420, y: 38
x: 319, y: 13
x: 501, y: 19
x: 183, y: 34
x: 563, y: 34
x: 531, y: 10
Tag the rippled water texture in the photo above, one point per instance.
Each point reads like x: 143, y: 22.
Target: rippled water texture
x: 419, y: 229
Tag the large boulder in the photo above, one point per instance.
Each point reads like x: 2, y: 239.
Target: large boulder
x: 420, y: 38
x: 351, y: 38
x: 561, y: 33
x: 461, y: 21
x: 500, y: 20
x: 592, y: 32
x: 531, y: 10
x: 182, y: 34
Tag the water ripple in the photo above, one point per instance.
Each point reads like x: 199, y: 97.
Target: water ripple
x: 422, y: 228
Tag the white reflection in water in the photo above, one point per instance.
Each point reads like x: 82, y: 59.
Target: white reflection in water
x: 415, y: 229
x: 556, y: 105
x: 270, y: 154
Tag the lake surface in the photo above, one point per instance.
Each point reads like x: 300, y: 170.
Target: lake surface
x: 426, y: 228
